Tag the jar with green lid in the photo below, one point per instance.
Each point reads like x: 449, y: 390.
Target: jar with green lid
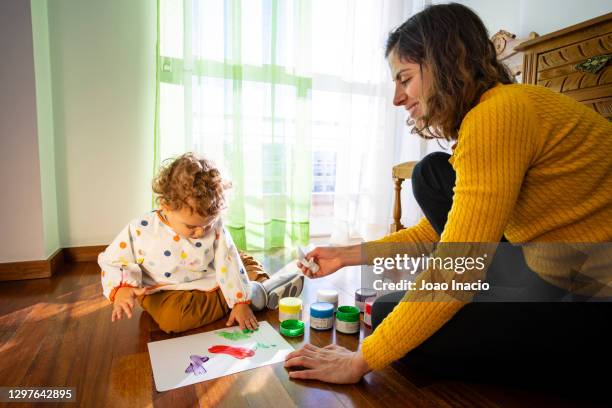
x: 292, y: 328
x: 347, y: 319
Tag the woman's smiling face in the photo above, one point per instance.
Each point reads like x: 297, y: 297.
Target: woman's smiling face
x: 409, y: 85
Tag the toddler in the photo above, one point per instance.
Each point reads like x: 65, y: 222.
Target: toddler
x: 180, y: 263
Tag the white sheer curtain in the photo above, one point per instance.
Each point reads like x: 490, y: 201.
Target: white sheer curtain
x: 369, y: 133
x: 229, y: 69
x: 234, y: 85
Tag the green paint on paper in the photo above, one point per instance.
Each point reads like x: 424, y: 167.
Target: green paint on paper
x: 264, y: 345
x: 235, y: 335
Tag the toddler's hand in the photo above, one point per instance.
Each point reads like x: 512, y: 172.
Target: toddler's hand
x: 243, y: 314
x: 124, y: 302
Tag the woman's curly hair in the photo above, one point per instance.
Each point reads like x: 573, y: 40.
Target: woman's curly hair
x: 192, y: 182
x: 451, y: 41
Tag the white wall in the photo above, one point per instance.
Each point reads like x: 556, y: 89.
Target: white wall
x: 103, y: 71
x: 545, y: 16
x: 20, y: 205
x: 542, y: 16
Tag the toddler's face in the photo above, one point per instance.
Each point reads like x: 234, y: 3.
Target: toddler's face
x: 188, y: 224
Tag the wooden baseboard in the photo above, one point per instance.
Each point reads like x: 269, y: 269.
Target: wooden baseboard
x: 84, y: 253
x: 46, y: 268
x: 32, y: 269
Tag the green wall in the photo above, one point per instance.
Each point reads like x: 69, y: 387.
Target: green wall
x: 44, y: 113
x: 102, y: 60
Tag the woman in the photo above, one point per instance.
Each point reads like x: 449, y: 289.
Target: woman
x: 528, y: 165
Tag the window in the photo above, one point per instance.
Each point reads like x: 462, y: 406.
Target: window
x: 257, y: 82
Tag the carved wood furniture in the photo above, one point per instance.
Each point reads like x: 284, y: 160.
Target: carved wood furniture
x: 576, y: 61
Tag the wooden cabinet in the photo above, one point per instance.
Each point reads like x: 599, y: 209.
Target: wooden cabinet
x: 553, y: 61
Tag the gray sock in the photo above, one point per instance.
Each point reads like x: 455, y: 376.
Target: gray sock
x: 277, y: 280
x: 280, y: 286
x: 259, y: 297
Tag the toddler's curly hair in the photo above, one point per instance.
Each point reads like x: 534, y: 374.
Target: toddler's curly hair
x: 193, y: 182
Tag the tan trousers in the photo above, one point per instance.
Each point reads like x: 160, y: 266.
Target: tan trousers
x: 177, y: 311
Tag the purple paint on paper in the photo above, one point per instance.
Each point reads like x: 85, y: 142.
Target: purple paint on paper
x: 196, y: 366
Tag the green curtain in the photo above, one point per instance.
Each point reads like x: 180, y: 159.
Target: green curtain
x: 233, y: 84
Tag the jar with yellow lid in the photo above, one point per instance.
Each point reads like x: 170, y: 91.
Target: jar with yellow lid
x: 290, y: 308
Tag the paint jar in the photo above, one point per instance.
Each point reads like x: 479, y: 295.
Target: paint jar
x: 321, y: 316
x: 290, y: 308
x: 347, y: 319
x: 363, y: 294
x: 292, y: 328
x: 329, y: 296
x: 367, y: 313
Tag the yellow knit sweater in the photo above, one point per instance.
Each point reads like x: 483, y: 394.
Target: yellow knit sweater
x: 532, y: 164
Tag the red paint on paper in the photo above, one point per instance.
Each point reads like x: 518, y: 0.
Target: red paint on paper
x: 237, y: 352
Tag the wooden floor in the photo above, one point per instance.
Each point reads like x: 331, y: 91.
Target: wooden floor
x: 57, y: 332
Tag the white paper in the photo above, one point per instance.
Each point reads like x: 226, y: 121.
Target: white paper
x: 170, y: 358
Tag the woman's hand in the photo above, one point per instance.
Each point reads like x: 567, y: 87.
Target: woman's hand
x: 330, y: 259
x: 332, y: 364
x: 243, y: 314
x: 124, y: 302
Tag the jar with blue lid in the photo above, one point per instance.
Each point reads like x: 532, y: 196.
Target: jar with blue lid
x: 321, y: 315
